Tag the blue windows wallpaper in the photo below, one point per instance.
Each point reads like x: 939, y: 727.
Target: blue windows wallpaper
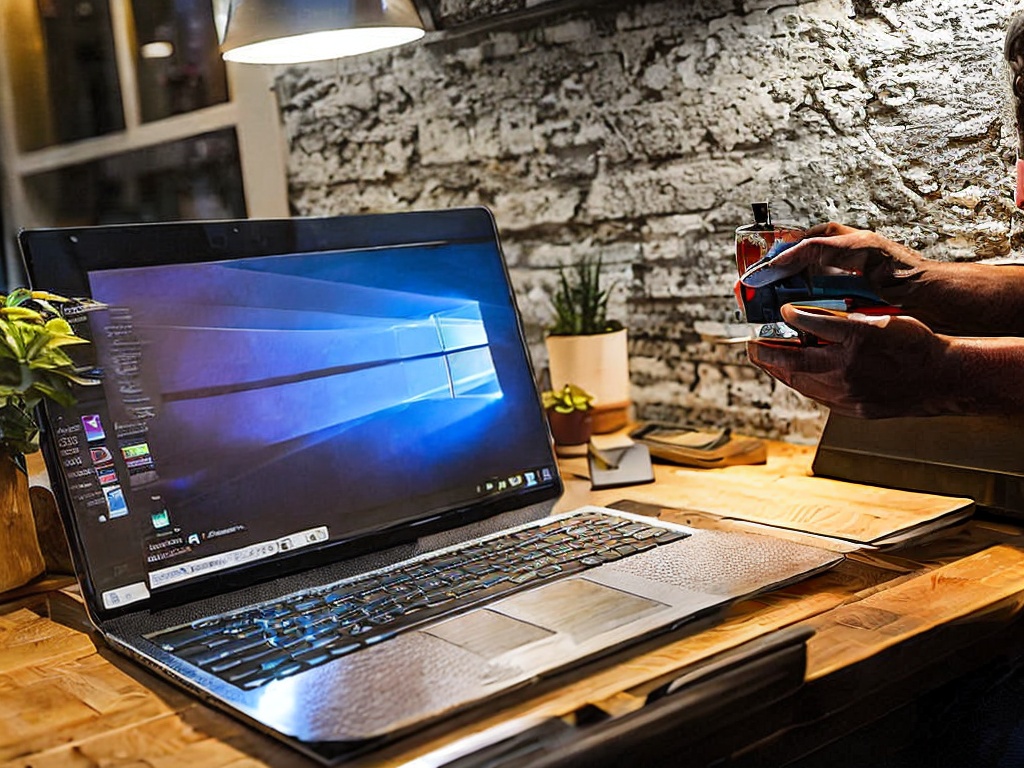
x: 342, y: 390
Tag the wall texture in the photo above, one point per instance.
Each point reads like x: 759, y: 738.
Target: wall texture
x: 642, y: 131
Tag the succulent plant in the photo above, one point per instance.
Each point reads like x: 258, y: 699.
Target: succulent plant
x: 567, y: 399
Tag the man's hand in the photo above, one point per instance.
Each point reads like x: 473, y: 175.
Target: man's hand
x: 834, y: 248
x: 955, y: 298
x: 870, y: 366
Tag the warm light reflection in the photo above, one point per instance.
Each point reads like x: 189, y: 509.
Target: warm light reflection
x: 160, y: 49
x: 316, y: 46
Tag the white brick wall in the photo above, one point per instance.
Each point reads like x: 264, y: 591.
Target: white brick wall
x: 644, y: 133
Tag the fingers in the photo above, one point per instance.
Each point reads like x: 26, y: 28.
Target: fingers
x: 829, y: 229
x: 872, y: 366
x: 795, y: 259
x: 825, y: 247
x: 829, y: 326
x: 851, y: 252
x: 815, y: 372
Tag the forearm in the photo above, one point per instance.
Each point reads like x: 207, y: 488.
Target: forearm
x: 962, y: 299
x: 989, y: 376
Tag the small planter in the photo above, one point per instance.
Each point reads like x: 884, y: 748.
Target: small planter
x: 20, y: 557
x: 571, y: 431
x: 600, y: 364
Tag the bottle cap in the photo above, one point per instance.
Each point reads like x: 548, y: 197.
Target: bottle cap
x: 762, y: 213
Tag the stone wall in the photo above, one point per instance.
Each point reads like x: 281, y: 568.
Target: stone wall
x: 643, y: 131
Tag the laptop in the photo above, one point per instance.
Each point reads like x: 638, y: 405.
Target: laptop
x: 315, y: 483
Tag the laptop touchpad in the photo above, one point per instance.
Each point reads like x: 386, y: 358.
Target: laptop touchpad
x: 578, y: 607
x: 487, y: 633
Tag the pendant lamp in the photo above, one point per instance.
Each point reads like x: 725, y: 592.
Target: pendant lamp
x: 295, y: 31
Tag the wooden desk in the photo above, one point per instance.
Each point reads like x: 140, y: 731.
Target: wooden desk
x: 888, y: 627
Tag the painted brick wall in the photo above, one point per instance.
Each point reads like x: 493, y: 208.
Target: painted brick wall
x: 643, y: 131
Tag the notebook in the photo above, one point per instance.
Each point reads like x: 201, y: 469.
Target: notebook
x: 970, y: 456
x: 313, y: 442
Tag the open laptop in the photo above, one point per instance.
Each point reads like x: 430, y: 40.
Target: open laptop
x: 313, y: 440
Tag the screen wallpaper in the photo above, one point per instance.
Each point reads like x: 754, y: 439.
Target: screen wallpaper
x: 258, y: 406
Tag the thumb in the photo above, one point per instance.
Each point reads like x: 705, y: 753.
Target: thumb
x: 794, y: 259
x: 828, y: 325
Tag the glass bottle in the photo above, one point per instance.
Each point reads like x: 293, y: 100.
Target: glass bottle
x: 754, y: 240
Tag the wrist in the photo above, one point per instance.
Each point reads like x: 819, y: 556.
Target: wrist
x: 962, y: 298
x: 984, y: 376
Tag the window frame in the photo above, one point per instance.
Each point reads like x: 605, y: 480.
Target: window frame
x: 252, y: 111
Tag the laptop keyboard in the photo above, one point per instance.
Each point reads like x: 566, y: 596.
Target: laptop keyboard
x: 256, y: 645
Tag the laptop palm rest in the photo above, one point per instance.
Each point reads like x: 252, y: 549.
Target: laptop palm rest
x: 470, y: 657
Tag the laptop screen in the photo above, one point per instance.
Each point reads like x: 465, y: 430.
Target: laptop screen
x: 270, y: 389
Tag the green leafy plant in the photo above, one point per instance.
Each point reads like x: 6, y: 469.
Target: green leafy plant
x: 567, y: 399
x: 581, y: 304
x: 33, y: 364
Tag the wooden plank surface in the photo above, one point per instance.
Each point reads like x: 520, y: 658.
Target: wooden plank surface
x: 989, y: 580
x: 60, y: 698
x: 65, y: 702
x: 781, y: 493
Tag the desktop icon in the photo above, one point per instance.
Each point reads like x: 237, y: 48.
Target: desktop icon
x: 101, y: 456
x: 106, y: 475
x: 93, y: 427
x: 135, y: 450
x: 115, y: 501
x: 161, y: 518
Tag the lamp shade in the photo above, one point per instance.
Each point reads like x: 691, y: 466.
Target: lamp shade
x: 294, y: 31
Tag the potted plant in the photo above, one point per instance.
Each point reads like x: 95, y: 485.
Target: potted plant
x: 586, y: 347
x: 569, y: 415
x: 33, y: 366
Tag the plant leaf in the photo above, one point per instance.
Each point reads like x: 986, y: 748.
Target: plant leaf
x: 580, y: 304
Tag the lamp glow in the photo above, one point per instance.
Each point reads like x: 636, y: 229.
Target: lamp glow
x: 297, y: 31
x: 160, y: 49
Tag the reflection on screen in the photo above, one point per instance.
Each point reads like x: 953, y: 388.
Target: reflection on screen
x: 258, y: 406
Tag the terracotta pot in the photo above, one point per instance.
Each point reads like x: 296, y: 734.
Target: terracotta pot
x: 600, y: 365
x: 20, y: 557
x: 570, y: 428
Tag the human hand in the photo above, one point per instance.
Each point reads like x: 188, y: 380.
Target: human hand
x: 956, y: 298
x: 891, y: 268
x: 870, y: 366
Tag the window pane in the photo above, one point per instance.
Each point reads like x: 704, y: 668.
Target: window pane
x: 179, y: 66
x: 197, y: 178
x: 60, y: 54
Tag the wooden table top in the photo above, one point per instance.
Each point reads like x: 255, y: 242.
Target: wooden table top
x: 66, y: 699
